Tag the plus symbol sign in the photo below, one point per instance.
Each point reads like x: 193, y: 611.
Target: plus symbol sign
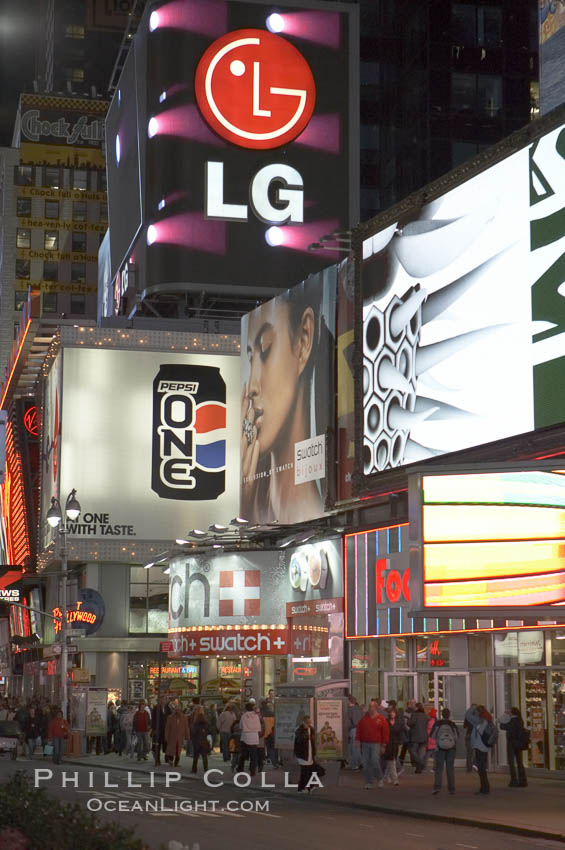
x: 297, y: 643
x: 192, y: 643
x: 279, y: 643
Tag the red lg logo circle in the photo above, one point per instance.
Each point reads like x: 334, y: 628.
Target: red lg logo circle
x: 255, y: 89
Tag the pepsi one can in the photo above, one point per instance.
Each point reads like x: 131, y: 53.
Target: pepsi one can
x: 189, y: 432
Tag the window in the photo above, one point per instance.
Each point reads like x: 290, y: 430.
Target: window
x: 51, y: 209
x: 49, y: 302
x: 79, y: 210
x: 23, y: 175
x: 80, y: 178
x: 78, y: 272
x: 20, y: 299
x: 78, y: 305
x: 51, y: 177
x: 102, y: 181
x: 103, y: 214
x: 23, y: 207
x: 50, y: 270
x: 23, y: 237
x: 75, y: 74
x: 473, y: 26
x: 22, y: 269
x: 51, y: 240
x: 79, y: 241
x: 489, y: 90
x: 148, y: 600
x: 74, y: 31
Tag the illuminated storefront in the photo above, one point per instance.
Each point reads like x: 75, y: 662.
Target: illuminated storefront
x: 509, y: 650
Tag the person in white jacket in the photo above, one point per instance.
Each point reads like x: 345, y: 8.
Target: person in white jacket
x: 249, y: 742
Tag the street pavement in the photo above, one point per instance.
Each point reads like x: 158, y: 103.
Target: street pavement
x: 228, y: 818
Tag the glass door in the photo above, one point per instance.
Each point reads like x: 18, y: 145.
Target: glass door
x: 401, y: 687
x: 453, y: 691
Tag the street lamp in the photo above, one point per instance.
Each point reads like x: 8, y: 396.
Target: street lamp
x: 56, y: 520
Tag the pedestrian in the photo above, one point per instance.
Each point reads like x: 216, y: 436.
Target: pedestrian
x: 418, y: 725
x: 199, y: 731
x: 305, y: 752
x: 177, y: 734
x: 141, y: 727
x: 268, y: 714
x: 469, y: 752
x: 250, y: 724
x: 479, y: 718
x: 120, y: 735
x: 445, y: 734
x: 225, y: 723
x: 517, y: 740
x: 213, y: 724
x: 127, y: 725
x: 58, y: 732
x: 431, y: 744
x: 111, y: 727
x: 159, y: 716
x: 261, y: 744
x: 234, y: 740
x: 407, y: 744
x: 354, y: 716
x: 373, y: 734
x: 32, y: 730
x: 395, y: 738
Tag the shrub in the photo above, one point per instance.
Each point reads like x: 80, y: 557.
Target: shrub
x: 48, y: 824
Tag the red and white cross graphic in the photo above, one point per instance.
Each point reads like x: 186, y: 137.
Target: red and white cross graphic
x: 240, y: 593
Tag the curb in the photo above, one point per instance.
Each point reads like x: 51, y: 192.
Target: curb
x: 493, y: 826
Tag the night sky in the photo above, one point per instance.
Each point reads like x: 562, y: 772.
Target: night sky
x: 18, y: 27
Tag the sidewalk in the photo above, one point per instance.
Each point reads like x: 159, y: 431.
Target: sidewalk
x: 537, y: 811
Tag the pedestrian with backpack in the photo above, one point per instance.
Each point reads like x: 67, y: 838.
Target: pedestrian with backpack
x: 517, y: 740
x: 445, y: 734
x: 483, y: 738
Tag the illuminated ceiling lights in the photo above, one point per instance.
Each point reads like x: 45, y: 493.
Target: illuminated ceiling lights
x: 153, y: 21
x: 118, y: 149
x: 275, y: 22
x: 151, y: 234
x: 152, y: 127
x: 274, y: 236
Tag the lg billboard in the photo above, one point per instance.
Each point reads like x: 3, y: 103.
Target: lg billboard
x: 232, y: 143
x: 463, y: 316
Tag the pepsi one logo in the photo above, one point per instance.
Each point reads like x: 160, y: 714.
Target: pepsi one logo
x: 255, y: 89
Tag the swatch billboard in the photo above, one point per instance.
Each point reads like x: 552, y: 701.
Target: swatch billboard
x: 233, y: 134
x: 287, y: 402
x: 489, y: 543
x: 463, y: 318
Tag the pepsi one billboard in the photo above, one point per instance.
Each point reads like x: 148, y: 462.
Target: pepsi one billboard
x: 233, y: 140
x: 149, y: 439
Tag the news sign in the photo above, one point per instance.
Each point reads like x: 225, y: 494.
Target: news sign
x: 11, y: 587
x: 149, y: 440
x: 236, y: 127
x: 489, y: 542
x: 463, y: 316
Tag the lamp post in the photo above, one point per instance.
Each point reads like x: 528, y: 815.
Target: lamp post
x: 56, y: 520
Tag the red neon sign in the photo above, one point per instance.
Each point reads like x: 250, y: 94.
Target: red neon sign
x: 255, y: 89
x: 31, y: 422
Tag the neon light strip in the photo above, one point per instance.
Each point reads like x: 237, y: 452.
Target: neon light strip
x: 469, y: 561
x: 447, y: 523
x: 537, y: 627
x: 521, y: 591
x: 380, y: 528
x: 7, y: 385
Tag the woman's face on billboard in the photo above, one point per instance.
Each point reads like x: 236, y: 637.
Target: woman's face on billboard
x: 277, y: 358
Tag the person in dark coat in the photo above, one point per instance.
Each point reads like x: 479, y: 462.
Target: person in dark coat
x: 418, y: 726
x: 159, y: 715
x: 396, y: 738
x: 513, y: 725
x: 199, y: 731
x: 32, y: 731
x: 305, y: 752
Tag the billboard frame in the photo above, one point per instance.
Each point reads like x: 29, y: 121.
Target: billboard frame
x: 395, y: 478
x: 416, y: 543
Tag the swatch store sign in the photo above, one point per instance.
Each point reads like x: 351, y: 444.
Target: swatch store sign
x: 237, y: 604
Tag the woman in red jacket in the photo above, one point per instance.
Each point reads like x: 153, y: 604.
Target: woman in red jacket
x: 57, y: 732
